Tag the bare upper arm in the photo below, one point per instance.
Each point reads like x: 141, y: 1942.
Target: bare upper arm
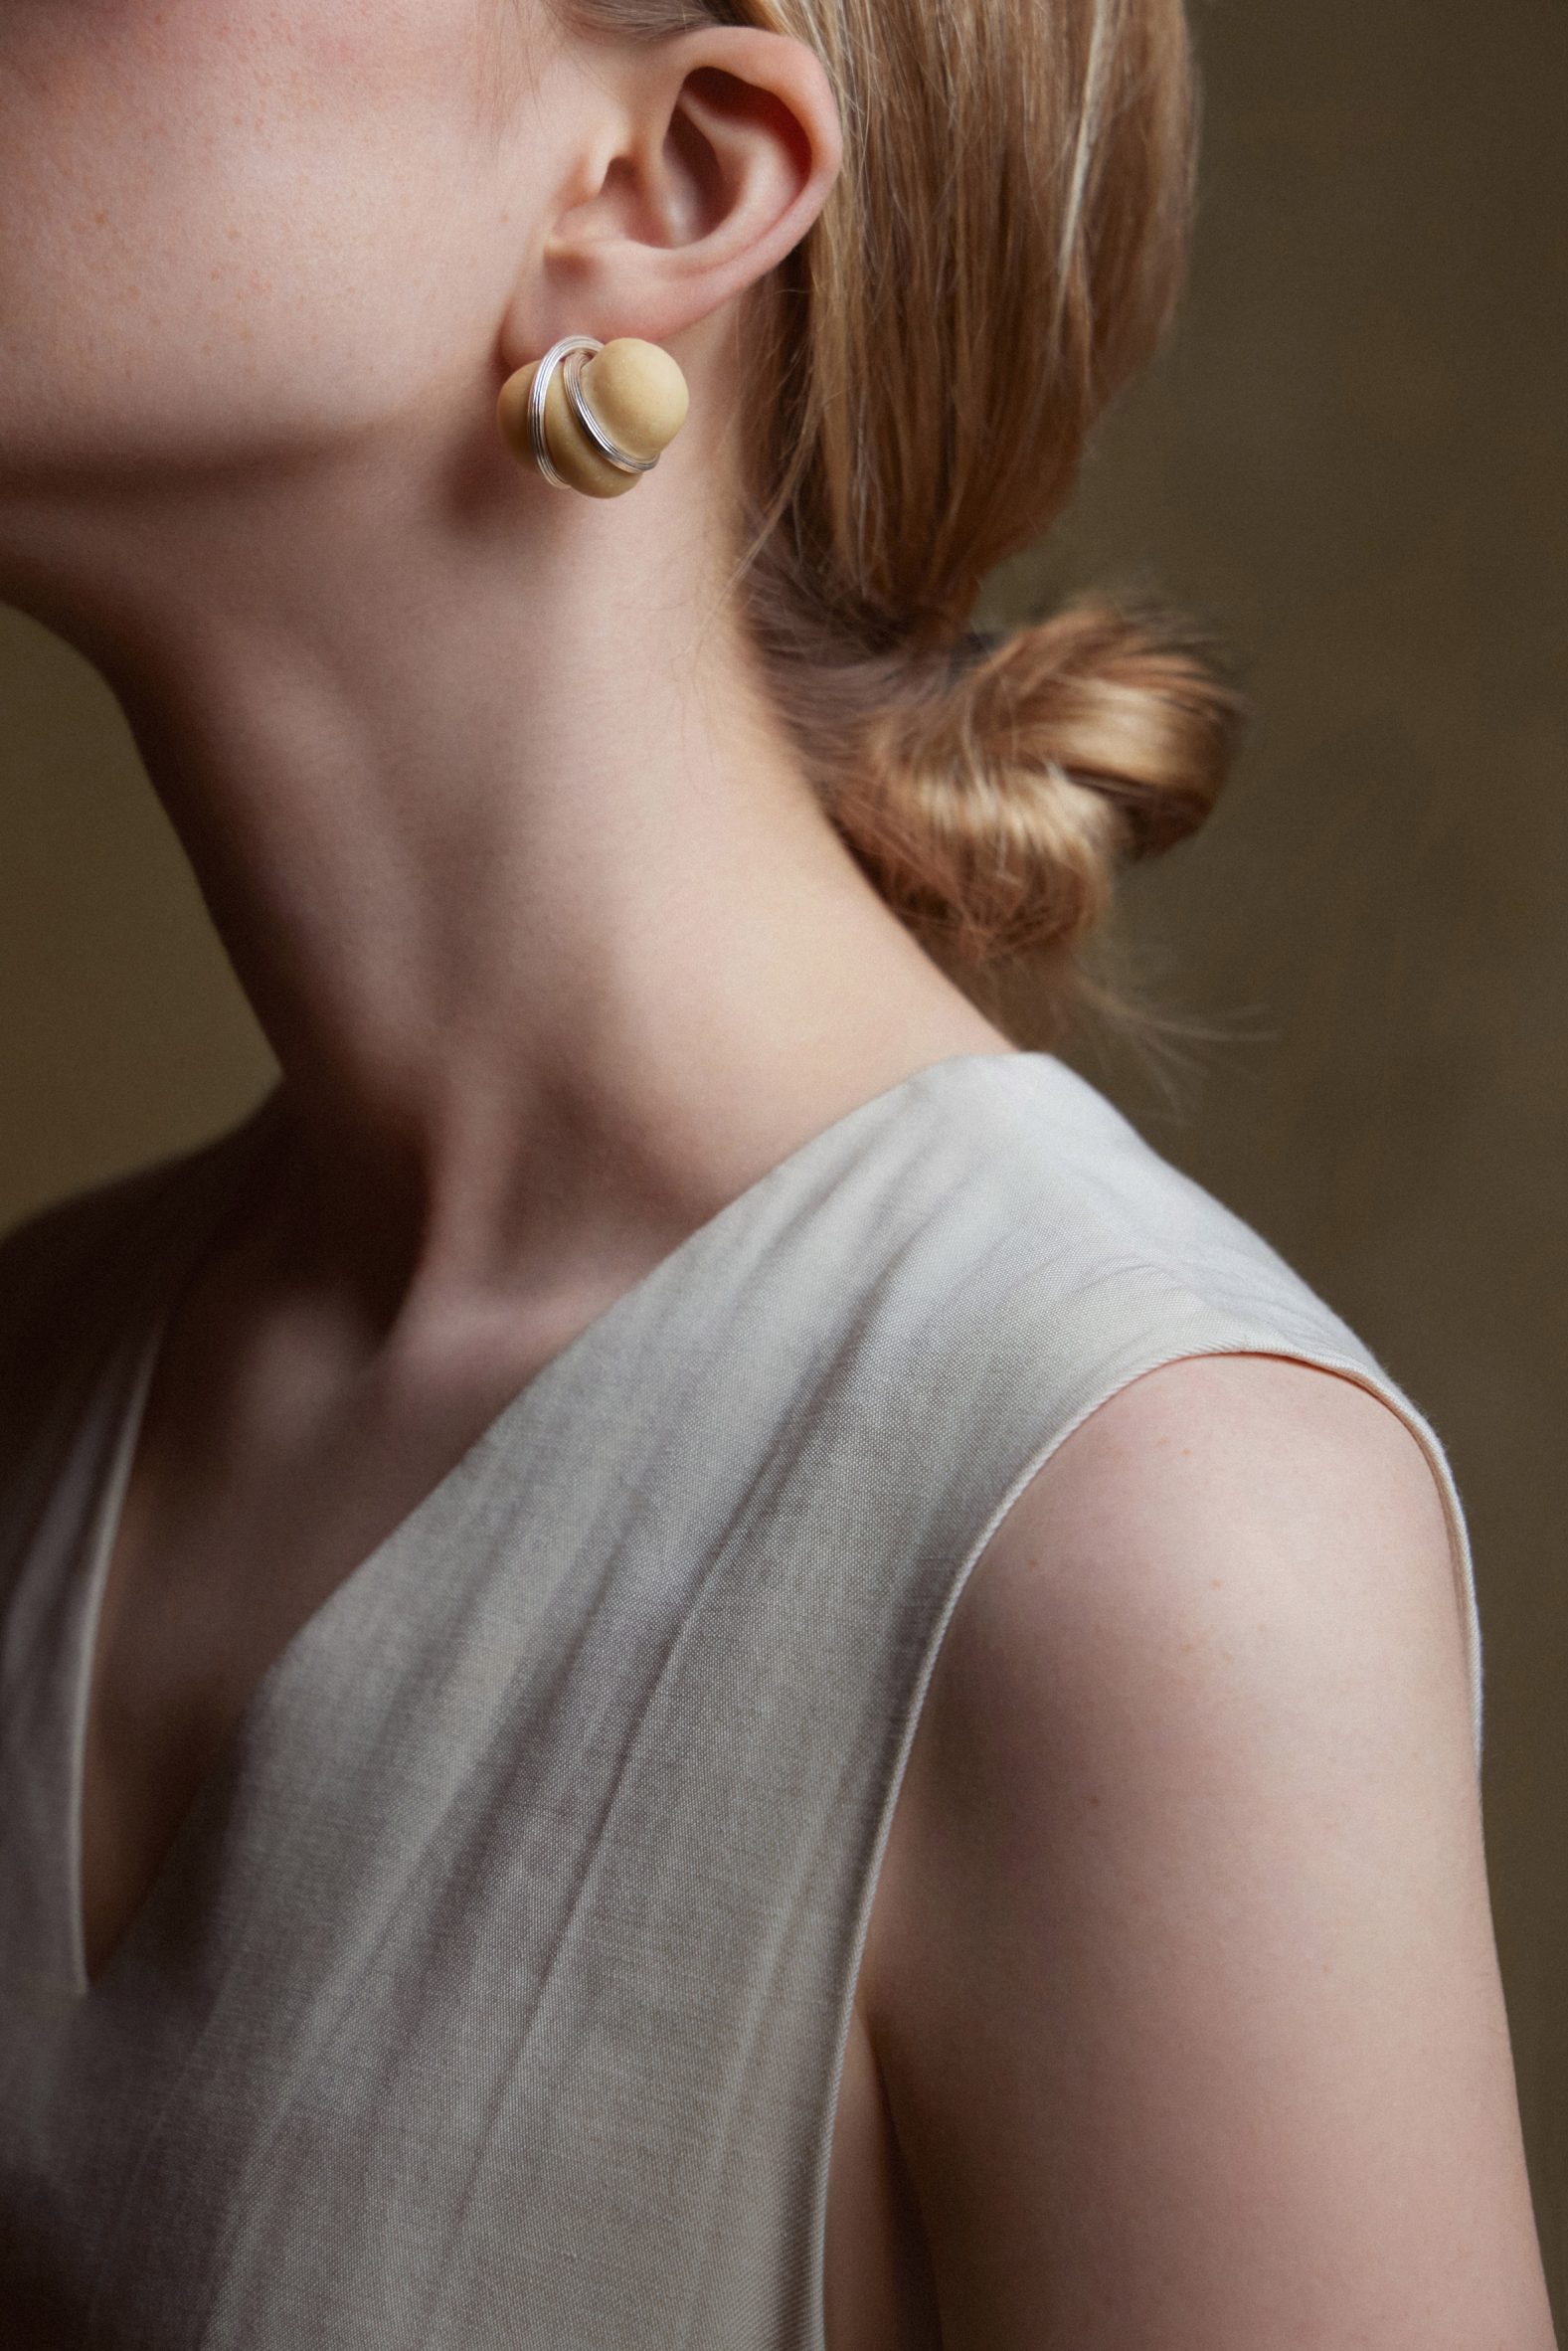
x: 1192, y: 2030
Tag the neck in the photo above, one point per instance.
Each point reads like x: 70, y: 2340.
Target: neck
x: 511, y: 856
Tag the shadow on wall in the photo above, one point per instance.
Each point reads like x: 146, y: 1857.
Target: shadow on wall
x: 122, y: 1032
x: 1350, y: 459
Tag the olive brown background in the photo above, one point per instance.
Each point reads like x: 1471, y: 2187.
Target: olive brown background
x: 1349, y: 462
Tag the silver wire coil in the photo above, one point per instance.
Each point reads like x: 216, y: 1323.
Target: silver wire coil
x: 577, y: 350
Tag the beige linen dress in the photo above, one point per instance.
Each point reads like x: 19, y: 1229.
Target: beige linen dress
x: 495, y: 1988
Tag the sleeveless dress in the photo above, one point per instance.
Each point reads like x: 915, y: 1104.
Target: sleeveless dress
x: 495, y: 1988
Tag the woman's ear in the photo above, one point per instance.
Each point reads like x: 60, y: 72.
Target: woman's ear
x: 717, y: 154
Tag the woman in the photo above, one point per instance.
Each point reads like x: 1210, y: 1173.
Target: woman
x: 480, y: 1540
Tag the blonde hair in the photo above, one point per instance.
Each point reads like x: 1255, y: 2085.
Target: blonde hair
x: 1002, y: 249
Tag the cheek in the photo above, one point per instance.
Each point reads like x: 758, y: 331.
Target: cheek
x: 224, y: 225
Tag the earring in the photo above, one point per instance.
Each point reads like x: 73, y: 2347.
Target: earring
x: 639, y: 404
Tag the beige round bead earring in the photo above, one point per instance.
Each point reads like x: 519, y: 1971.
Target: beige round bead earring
x: 593, y: 416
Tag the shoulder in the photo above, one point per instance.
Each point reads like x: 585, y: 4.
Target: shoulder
x: 51, y: 1251
x: 1070, y: 1243
x: 71, y: 1269
x: 1094, y: 1304
x: 1194, y: 1974
x: 1222, y: 1494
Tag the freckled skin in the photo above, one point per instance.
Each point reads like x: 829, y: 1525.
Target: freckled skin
x: 196, y: 203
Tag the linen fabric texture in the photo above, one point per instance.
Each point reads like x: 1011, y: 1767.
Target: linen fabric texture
x: 495, y: 1989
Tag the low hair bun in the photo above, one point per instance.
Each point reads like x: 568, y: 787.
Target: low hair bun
x: 993, y: 791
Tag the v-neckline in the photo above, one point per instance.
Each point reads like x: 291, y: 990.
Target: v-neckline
x: 142, y: 1350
